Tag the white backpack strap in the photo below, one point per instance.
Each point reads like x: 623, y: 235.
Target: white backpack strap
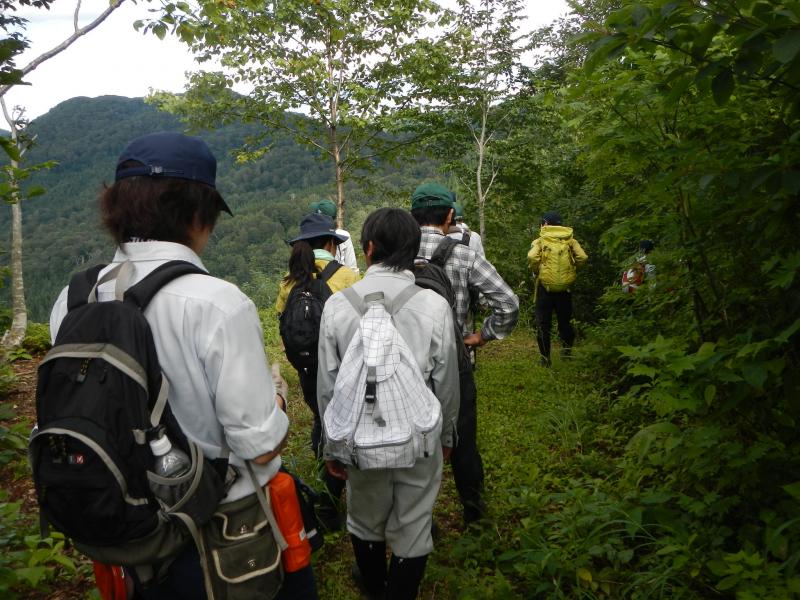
x: 403, y: 297
x: 122, y: 272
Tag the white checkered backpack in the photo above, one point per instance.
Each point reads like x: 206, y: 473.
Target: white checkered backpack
x: 382, y: 414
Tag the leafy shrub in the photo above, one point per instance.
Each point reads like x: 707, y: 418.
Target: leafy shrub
x: 7, y: 377
x: 37, y: 338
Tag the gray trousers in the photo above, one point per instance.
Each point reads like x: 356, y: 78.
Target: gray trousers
x: 395, y: 505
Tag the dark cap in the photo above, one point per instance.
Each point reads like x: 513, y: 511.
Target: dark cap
x: 646, y: 246
x: 170, y: 154
x: 551, y: 217
x: 324, y: 207
x: 318, y: 225
x: 429, y: 195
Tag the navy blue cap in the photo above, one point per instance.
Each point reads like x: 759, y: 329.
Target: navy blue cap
x: 170, y: 154
x: 551, y: 217
x: 318, y: 225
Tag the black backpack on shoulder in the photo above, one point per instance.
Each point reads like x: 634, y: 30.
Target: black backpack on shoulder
x: 430, y: 274
x: 299, y: 322
x: 100, y: 398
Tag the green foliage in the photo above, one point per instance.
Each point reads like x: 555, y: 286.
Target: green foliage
x: 341, y: 61
x: 37, y: 338
x: 28, y: 561
x: 7, y: 377
x: 268, y: 196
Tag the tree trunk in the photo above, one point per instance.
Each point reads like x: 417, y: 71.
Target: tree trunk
x: 19, y: 324
x: 339, y: 189
x: 479, y: 194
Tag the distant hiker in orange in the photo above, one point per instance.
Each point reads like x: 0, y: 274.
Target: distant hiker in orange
x: 554, y: 258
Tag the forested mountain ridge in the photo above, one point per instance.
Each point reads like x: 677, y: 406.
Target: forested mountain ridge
x: 84, y: 136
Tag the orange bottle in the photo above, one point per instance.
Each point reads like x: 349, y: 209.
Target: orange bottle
x: 283, y: 497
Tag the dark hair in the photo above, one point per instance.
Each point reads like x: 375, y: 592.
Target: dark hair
x: 302, y: 264
x: 162, y: 209
x: 646, y: 246
x: 551, y: 217
x: 395, y: 238
x: 434, y: 215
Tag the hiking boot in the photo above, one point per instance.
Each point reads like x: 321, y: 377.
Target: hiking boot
x: 544, y: 361
x: 369, y: 572
x: 474, y: 512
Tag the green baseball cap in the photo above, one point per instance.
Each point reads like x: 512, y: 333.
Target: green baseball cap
x: 324, y: 207
x: 429, y: 195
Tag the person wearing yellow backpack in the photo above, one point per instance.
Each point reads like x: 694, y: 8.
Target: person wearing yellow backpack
x: 554, y: 259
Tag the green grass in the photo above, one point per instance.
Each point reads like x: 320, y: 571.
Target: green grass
x: 532, y: 430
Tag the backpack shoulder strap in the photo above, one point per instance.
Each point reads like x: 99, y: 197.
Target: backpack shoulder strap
x: 356, y: 301
x: 465, y: 237
x: 399, y: 301
x: 141, y: 293
x: 81, y: 285
x: 403, y: 297
x: 329, y: 270
x: 443, y: 251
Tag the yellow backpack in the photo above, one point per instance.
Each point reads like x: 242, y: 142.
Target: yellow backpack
x: 557, y: 268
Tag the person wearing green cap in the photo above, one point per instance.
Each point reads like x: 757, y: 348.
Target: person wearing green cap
x: 345, y: 253
x: 469, y: 273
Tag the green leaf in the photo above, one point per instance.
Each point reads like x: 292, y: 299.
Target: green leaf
x: 722, y: 86
x: 649, y: 372
x: 787, y: 333
x: 718, y: 567
x: 793, y: 489
x: 710, y: 393
x: 728, y: 583
x: 786, y: 48
x: 755, y: 374
x: 585, y: 575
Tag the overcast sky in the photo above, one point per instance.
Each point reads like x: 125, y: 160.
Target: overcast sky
x: 115, y: 59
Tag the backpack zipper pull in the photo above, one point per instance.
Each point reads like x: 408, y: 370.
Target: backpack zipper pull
x: 84, y: 368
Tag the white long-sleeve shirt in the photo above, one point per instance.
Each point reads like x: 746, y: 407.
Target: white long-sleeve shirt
x: 211, y: 349
x: 346, y: 253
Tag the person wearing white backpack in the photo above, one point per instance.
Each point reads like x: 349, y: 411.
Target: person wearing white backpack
x: 389, y: 505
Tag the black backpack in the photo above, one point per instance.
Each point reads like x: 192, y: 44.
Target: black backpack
x: 299, y: 323
x: 100, y: 398
x: 431, y: 275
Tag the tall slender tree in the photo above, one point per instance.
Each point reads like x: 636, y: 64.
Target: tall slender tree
x: 480, y: 59
x: 341, y: 62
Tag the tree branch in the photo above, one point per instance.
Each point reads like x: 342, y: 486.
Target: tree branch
x: 79, y: 31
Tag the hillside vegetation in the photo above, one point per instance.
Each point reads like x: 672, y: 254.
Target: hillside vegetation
x: 84, y: 136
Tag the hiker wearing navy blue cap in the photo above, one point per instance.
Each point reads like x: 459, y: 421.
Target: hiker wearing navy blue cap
x: 162, y: 207
x: 313, y: 276
x: 345, y: 252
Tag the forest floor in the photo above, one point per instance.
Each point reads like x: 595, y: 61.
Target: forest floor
x: 515, y: 437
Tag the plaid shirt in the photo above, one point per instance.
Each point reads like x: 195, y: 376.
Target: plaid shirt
x: 470, y: 271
